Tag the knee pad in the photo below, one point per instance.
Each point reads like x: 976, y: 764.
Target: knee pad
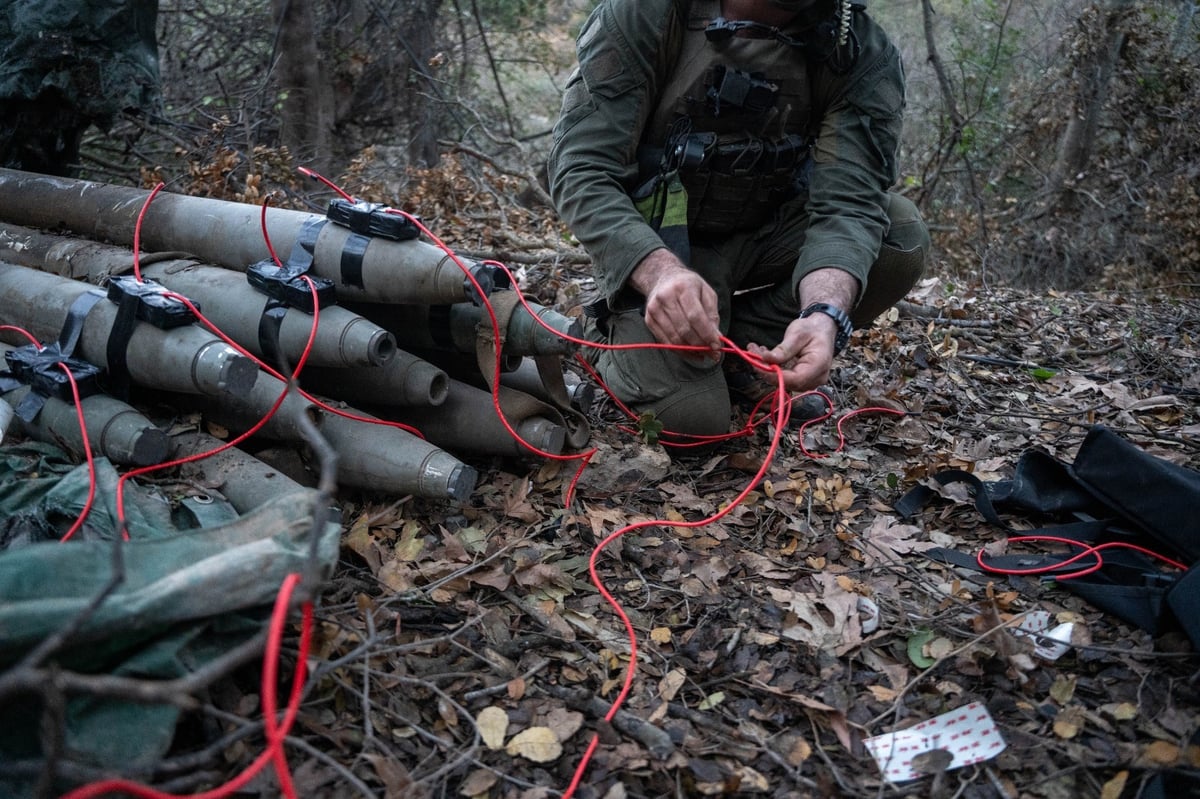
x: 906, y: 228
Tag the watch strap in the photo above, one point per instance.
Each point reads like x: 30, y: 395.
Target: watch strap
x: 845, y: 328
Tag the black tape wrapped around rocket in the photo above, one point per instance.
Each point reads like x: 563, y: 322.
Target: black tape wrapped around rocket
x: 116, y: 430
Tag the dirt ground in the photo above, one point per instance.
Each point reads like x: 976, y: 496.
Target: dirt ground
x: 466, y: 651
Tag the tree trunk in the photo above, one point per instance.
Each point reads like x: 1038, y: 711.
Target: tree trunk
x: 1183, y: 24
x: 306, y: 99
x: 1100, y: 49
x: 420, y: 87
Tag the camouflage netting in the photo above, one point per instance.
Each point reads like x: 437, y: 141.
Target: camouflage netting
x: 68, y: 64
x: 194, y: 587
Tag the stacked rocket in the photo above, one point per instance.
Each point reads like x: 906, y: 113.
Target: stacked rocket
x: 404, y: 341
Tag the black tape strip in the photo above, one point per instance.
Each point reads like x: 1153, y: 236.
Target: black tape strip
x: 115, y: 353
x: 269, y: 325
x: 68, y: 337
x: 352, y: 259
x: 301, y: 258
x: 30, y: 406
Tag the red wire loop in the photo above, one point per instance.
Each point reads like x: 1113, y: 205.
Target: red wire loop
x: 1086, y: 550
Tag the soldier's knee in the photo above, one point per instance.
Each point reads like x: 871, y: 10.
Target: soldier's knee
x: 705, y: 412
x: 907, y: 231
x: 901, y: 262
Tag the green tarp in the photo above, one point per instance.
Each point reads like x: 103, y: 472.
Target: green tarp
x: 188, y: 595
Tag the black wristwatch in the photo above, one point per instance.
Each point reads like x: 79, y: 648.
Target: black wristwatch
x: 839, y: 316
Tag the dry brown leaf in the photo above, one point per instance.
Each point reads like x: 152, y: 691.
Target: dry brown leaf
x: 829, y: 621
x: 494, y: 578
x: 669, y: 685
x: 492, y: 722
x: 1062, y: 690
x: 1115, y: 787
x: 939, y: 648
x: 478, y: 782
x: 1122, y: 711
x: 1161, y: 753
x: 888, y: 540
x: 538, y: 744
x: 799, y: 752
x: 563, y: 722
x: 543, y: 574
x: 394, y: 776
x: 359, y: 539
x: 411, y: 542
x: 397, y: 576
x: 763, y: 567
x: 750, y: 781
x: 1069, y: 722
x: 882, y: 692
x: 448, y: 712
x: 516, y: 505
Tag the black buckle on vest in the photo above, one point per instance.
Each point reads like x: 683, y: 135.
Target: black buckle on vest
x: 721, y: 30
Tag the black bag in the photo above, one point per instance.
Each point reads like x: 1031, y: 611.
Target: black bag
x: 1113, y: 492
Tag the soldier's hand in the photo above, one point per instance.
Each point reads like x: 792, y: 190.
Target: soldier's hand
x: 806, y: 353
x: 681, y: 308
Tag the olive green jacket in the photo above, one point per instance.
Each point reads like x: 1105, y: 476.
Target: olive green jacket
x: 625, y: 53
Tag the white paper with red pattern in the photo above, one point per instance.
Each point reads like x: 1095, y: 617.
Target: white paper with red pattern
x: 1038, y: 623
x: 968, y: 734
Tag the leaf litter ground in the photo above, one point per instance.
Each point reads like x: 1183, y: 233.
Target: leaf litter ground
x: 464, y: 651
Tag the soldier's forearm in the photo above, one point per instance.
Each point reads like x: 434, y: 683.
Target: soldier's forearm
x: 833, y: 286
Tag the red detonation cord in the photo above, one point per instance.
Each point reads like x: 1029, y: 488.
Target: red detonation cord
x: 1086, y: 550
x: 87, y: 445
x: 137, y: 231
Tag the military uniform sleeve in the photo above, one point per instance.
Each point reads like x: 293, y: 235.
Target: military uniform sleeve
x: 854, y: 159
x: 593, y: 159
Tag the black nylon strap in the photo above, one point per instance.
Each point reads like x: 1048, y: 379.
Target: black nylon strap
x: 1037, y: 564
x: 299, y: 261
x: 68, y: 337
x: 301, y: 258
x: 33, y: 402
x: 269, y: 325
x: 916, y: 497
x: 1130, y: 585
x: 30, y: 406
x: 352, y: 259
x: 116, y: 351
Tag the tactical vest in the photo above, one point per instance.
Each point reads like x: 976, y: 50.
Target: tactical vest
x: 736, y: 119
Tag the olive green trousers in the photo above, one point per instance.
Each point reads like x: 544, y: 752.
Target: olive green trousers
x: 752, y: 275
